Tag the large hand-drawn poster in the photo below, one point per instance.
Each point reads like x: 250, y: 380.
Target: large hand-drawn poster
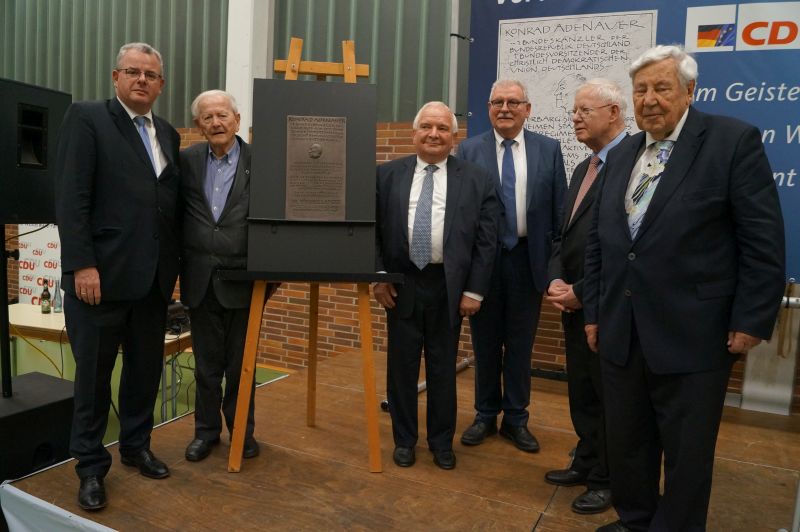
x: 747, y: 52
x: 553, y: 56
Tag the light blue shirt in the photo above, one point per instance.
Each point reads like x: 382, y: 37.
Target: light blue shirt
x: 603, y: 154
x: 219, y: 178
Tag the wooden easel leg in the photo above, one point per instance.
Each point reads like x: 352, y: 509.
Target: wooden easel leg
x: 246, y: 379
x: 368, y: 367
x: 311, y: 392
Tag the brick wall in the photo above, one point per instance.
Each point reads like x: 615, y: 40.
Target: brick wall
x: 284, y: 338
x: 284, y: 333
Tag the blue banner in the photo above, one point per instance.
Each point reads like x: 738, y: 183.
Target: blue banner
x: 748, y: 55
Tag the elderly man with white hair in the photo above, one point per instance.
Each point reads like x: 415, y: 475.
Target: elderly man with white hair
x: 436, y: 224
x: 598, y: 118
x: 684, y: 273
x: 215, y: 190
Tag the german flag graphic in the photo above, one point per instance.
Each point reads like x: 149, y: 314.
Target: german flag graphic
x: 713, y: 35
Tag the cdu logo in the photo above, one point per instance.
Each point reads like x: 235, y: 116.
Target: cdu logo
x: 742, y: 27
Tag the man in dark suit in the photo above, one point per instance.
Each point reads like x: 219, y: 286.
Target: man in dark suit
x: 528, y: 172
x: 117, y: 194
x: 598, y: 117
x: 215, y: 190
x: 684, y: 272
x: 436, y: 224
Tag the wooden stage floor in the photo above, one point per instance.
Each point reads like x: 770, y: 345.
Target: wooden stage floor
x: 317, y: 478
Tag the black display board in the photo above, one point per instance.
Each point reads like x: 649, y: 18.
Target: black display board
x: 279, y: 244
x: 29, y: 120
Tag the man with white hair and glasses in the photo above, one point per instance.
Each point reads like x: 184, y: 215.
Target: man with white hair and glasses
x: 598, y: 118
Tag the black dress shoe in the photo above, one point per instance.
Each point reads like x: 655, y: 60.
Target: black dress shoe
x: 251, y: 448
x: 404, y: 456
x: 477, y: 432
x: 148, y: 464
x: 592, y: 502
x: 521, y: 436
x: 199, y: 449
x: 565, y: 477
x: 92, y: 493
x: 446, y: 459
x: 616, y: 526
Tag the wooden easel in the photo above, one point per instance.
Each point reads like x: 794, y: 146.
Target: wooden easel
x: 293, y: 67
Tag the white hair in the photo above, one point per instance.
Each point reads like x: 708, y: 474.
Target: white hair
x: 441, y: 105
x: 209, y: 94
x: 687, y: 66
x: 509, y: 83
x: 607, y: 90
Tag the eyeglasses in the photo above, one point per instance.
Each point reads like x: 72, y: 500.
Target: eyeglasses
x: 583, y: 112
x: 511, y: 104
x: 135, y: 73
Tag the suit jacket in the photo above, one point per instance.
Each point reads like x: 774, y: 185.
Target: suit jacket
x: 546, y: 186
x: 470, y: 230
x: 210, y: 245
x: 113, y: 212
x: 569, y: 247
x: 708, y: 257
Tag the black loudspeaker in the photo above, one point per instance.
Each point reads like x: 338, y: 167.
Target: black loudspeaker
x: 34, y: 424
x: 29, y: 120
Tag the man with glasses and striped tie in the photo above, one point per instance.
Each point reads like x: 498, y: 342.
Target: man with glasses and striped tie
x: 436, y: 224
x: 116, y: 205
x: 684, y: 272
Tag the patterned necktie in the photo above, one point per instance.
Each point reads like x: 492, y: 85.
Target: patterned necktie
x: 591, y: 174
x: 140, y: 126
x: 648, y: 181
x: 509, y: 181
x: 421, y: 236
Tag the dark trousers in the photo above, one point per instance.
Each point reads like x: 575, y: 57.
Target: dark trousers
x: 218, y: 336
x: 502, y: 339
x: 95, y: 334
x: 429, y: 327
x: 674, y: 414
x: 585, y: 403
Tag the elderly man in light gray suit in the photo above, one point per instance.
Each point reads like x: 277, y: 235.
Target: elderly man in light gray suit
x: 215, y: 188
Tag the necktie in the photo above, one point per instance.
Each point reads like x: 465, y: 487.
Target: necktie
x: 588, y: 179
x: 421, y: 236
x: 509, y: 181
x: 140, y: 126
x: 643, y: 193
